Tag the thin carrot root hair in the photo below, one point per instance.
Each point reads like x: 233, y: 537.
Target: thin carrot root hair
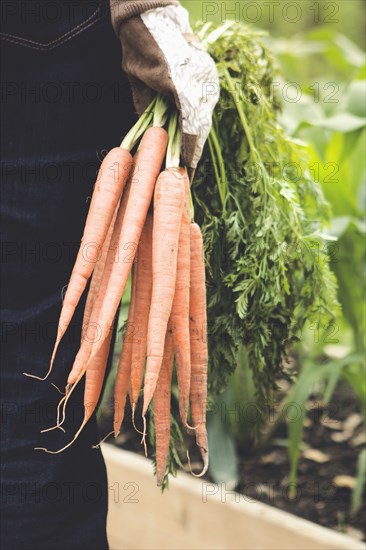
x: 41, y: 378
x: 143, y: 440
x: 191, y: 428
x: 133, y: 420
x: 58, y: 389
x: 97, y: 446
x: 204, y: 454
x: 58, y: 423
x: 56, y: 427
x: 85, y: 420
x: 69, y: 389
x: 66, y: 446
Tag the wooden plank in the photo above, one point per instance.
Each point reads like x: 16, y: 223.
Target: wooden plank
x: 196, y: 515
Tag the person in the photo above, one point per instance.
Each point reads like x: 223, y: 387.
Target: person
x: 64, y: 103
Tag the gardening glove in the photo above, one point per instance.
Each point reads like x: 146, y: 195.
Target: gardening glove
x: 161, y: 54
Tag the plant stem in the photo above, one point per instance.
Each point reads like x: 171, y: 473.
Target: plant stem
x: 240, y: 110
x: 216, y: 170
x: 173, y: 151
x: 191, y: 205
x: 222, y: 183
x: 139, y: 128
x: 160, y: 111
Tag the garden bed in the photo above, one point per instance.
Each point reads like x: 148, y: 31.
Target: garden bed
x: 333, y: 438
x: 196, y: 514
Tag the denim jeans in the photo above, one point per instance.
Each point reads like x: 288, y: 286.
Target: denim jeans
x: 64, y: 102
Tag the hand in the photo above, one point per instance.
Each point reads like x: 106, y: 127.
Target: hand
x: 161, y: 54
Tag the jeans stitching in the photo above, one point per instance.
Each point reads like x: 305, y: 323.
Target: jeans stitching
x: 58, y: 41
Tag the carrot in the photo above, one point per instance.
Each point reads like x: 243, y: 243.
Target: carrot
x: 91, y: 331
x: 199, y: 354
x: 98, y: 275
x: 95, y: 378
x: 93, y: 388
x: 142, y: 308
x: 112, y: 177
x: 161, y: 403
x: 180, y: 311
x: 128, y: 229
x: 168, y: 210
x: 95, y: 374
x: 124, y: 366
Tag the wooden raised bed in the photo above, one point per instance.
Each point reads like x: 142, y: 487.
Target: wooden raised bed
x: 189, y: 516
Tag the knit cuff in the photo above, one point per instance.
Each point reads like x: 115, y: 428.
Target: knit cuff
x: 125, y: 9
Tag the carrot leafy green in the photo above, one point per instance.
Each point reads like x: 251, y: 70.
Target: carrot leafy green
x: 263, y: 219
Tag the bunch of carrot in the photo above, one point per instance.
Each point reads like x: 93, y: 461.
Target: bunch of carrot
x: 163, y: 251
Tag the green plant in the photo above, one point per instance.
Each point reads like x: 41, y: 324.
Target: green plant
x: 336, y: 137
x: 360, y: 483
x: 254, y: 212
x: 270, y: 256
x: 336, y: 140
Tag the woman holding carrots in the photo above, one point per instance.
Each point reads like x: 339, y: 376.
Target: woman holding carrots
x: 65, y: 103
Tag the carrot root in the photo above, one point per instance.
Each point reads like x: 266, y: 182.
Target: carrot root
x: 97, y: 446
x: 205, y: 464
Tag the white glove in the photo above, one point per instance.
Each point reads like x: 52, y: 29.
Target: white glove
x: 161, y: 54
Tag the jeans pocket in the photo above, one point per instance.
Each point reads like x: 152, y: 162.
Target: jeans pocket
x: 46, y: 24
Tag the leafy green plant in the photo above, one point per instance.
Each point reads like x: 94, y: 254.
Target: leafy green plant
x: 257, y: 202
x: 336, y: 136
x: 357, y: 492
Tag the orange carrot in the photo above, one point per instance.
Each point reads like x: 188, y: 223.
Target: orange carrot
x: 96, y: 371
x: 142, y: 309
x: 95, y: 378
x: 94, y: 382
x: 124, y: 365
x: 168, y: 210
x: 127, y: 234
x: 198, y: 332
x: 112, y: 177
x: 180, y: 311
x: 161, y: 402
x: 91, y: 331
x: 98, y: 274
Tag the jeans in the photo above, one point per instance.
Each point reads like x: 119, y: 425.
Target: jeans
x: 65, y: 101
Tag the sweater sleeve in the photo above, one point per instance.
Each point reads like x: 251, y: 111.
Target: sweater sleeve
x: 121, y: 10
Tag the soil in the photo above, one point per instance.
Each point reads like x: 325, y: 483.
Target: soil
x: 323, y: 489
x: 333, y: 439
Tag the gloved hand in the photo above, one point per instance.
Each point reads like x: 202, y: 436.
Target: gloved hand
x: 161, y: 54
